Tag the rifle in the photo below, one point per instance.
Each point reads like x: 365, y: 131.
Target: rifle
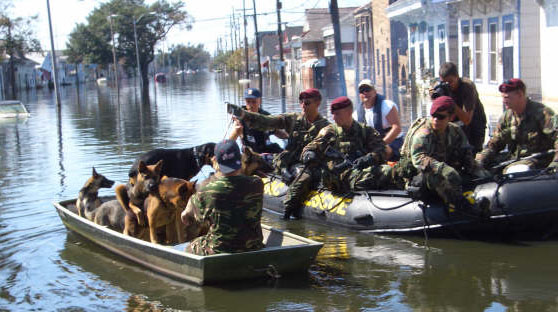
x: 347, y: 163
x: 533, y: 156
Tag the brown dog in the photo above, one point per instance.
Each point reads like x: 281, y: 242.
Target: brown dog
x: 88, y: 200
x: 132, y: 195
x: 164, y: 207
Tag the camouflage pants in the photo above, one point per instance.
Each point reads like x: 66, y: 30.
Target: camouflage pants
x: 202, y: 246
x: 299, y: 189
x: 447, y: 183
x: 371, y: 178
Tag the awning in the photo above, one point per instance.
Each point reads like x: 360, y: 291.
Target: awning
x: 311, y: 63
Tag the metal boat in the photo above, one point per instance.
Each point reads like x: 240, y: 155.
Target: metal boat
x: 284, y: 253
x: 12, y: 109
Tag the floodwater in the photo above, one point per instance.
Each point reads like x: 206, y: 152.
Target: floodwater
x: 43, y: 266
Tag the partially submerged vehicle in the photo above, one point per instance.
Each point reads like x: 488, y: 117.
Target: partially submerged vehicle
x: 160, y: 77
x: 13, y: 109
x: 523, y: 203
x: 284, y: 252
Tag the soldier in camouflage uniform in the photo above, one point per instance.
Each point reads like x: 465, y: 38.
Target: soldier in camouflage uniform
x: 231, y: 206
x: 527, y: 127
x: 439, y: 152
x: 360, y: 150
x: 302, y: 128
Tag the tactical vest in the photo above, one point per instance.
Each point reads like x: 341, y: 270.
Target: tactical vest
x: 352, y: 146
x: 404, y: 168
x: 298, y: 139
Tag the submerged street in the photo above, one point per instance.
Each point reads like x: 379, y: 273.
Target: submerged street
x: 48, y: 157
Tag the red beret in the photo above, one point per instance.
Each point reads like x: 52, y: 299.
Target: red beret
x: 340, y: 102
x: 512, y: 85
x: 311, y: 93
x: 441, y: 103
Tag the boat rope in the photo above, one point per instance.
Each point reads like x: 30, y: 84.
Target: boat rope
x: 388, y: 208
x: 229, y: 124
x: 425, y: 224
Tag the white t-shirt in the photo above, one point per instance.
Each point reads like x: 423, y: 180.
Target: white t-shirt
x: 387, y: 106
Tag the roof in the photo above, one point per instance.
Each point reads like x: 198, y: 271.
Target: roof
x: 316, y: 19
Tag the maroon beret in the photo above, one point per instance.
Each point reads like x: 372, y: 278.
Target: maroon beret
x: 340, y: 102
x: 441, y: 103
x: 512, y: 85
x: 311, y: 93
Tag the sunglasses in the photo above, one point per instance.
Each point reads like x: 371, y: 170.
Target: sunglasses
x: 364, y: 89
x: 439, y: 116
x: 306, y: 102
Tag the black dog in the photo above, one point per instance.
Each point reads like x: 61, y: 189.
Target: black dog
x: 177, y: 163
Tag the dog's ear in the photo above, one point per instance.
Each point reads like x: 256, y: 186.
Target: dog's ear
x: 95, y: 174
x: 142, y: 167
x: 159, y: 166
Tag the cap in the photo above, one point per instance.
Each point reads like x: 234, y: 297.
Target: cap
x: 340, y: 102
x: 252, y: 93
x: 311, y: 93
x: 441, y: 103
x: 512, y: 85
x: 366, y: 82
x: 228, y: 156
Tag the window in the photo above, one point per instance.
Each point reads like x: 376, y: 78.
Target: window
x: 465, y: 49
x: 493, y: 47
x: 508, y: 30
x: 348, y: 60
x: 442, y: 43
x: 329, y: 43
x: 477, y: 34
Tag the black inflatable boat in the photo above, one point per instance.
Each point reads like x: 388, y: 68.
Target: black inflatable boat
x: 520, y: 203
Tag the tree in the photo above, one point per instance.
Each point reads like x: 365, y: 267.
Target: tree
x: 189, y: 57
x: 17, y: 38
x: 91, y: 42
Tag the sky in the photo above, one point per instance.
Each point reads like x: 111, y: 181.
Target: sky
x: 212, y: 18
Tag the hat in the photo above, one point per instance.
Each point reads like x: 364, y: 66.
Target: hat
x: 441, y: 103
x: 311, y: 93
x: 512, y: 85
x: 340, y: 102
x: 366, y: 82
x: 252, y: 93
x: 228, y: 156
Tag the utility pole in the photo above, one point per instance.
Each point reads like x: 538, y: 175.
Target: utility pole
x: 245, y: 39
x: 257, y: 46
x: 281, y: 59
x: 53, y: 59
x: 334, y: 11
x: 232, y: 36
x: 114, y: 58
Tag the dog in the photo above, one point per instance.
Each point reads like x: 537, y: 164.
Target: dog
x: 178, y: 163
x: 88, y: 200
x: 251, y: 163
x: 132, y: 195
x: 165, y: 205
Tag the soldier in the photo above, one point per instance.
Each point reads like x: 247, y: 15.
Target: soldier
x: 231, y: 206
x: 360, y: 153
x: 258, y: 140
x: 438, y: 151
x: 302, y: 128
x: 527, y: 127
x: 469, y: 110
x: 381, y: 114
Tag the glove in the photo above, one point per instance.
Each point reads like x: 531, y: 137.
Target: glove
x: 363, y: 162
x: 308, y: 157
x: 553, y: 166
x: 340, y: 167
x: 235, y: 110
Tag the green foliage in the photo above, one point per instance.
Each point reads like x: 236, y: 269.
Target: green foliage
x: 230, y: 60
x: 189, y: 57
x: 17, y: 34
x: 91, y: 42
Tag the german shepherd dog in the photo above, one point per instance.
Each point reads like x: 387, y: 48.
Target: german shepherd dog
x: 252, y: 163
x: 88, y: 200
x: 164, y: 207
x: 178, y: 163
x: 132, y: 195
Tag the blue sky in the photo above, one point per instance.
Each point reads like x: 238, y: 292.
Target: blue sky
x: 212, y: 17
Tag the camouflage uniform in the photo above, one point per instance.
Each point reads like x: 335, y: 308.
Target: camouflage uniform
x: 301, y: 132
x: 359, y: 140
x: 440, y: 158
x: 533, y: 132
x: 233, y: 206
x: 467, y: 98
